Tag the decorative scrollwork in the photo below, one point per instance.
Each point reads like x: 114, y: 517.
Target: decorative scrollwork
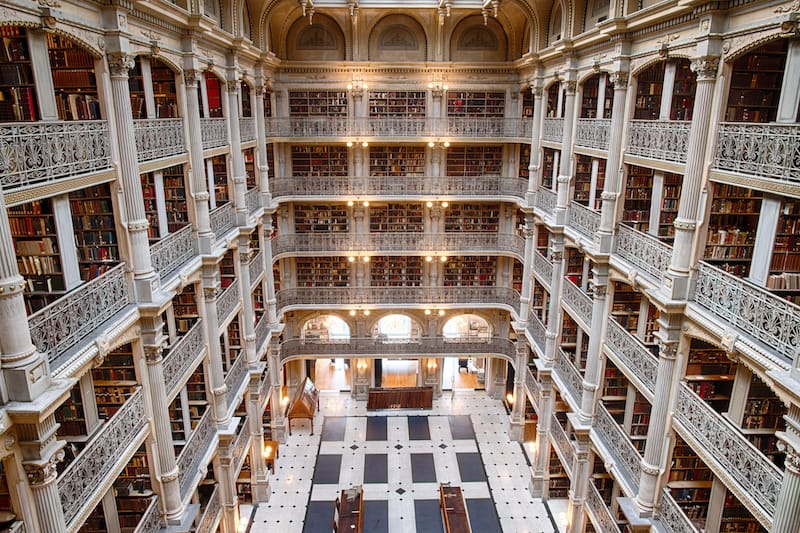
x: 182, y: 356
x: 569, y: 375
x: 213, y: 508
x: 646, y: 252
x: 158, y: 137
x: 170, y: 253
x: 247, y: 129
x: 705, y: 68
x: 44, y: 473
x: 583, y: 220
x: 562, y: 443
x: 256, y: 267
x: 533, y: 386
x: 577, y: 300
x: 672, y: 516
x: 619, y: 444
x: 227, y: 301
x: 543, y: 267
x: 633, y: 354
x: 252, y: 200
x: 665, y: 140
x: 768, y: 151
x: 593, y: 133
x: 545, y: 200
x: 151, y: 521
x: 619, y: 79
x: 601, y: 515
x: 119, y: 63
x: 221, y: 220
x: 240, y: 444
x: 196, y: 447
x: 235, y: 378
x: 214, y: 132
x: 538, y: 331
x: 553, y: 129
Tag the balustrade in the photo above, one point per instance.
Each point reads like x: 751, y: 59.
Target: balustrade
x: 170, y: 253
x: 619, y: 444
x: 643, y: 251
x: 252, y: 200
x: 545, y: 200
x: 543, y: 267
x: 234, y: 379
x: 729, y: 454
x: 40, y: 152
x: 221, y: 220
x: 214, y: 132
x: 228, y: 301
x: 534, y: 387
x: 101, y: 457
x: 665, y: 140
x: 578, y: 301
x: 772, y: 321
x: 583, y: 220
x: 264, y: 386
x: 602, y: 518
x: 767, y: 151
x: 158, y: 137
x: 240, y: 445
x: 256, y: 267
x: 396, y: 127
x: 593, y: 133
x: 196, y: 448
x: 563, y: 444
x: 151, y: 520
x: 570, y: 377
x: 537, y: 331
x: 262, y: 331
x: 208, y: 521
x: 553, y: 130
x: 633, y: 355
x: 182, y: 357
x: 672, y: 517
x: 247, y: 129
x: 68, y: 320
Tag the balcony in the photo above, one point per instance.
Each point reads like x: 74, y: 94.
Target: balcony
x: 247, y: 129
x: 593, y: 133
x: 553, y: 130
x: 583, y: 220
x: 388, y: 186
x: 262, y: 332
x: 662, y: 140
x: 403, y: 243
x: 234, y: 380
x: 770, y: 322
x: 542, y: 268
x: 578, y: 302
x: 67, y: 321
x: 103, y: 458
x: 241, y: 444
x: 252, y: 200
x: 633, y: 357
x: 214, y: 132
x: 210, y: 519
x: 221, y: 220
x: 764, y: 151
x: 599, y: 513
x: 537, y: 331
x: 157, y: 138
x: 732, y: 458
x: 401, y: 297
x: 36, y: 153
x: 643, y: 251
x: 151, y: 520
x: 191, y: 457
x: 309, y: 127
x: 533, y: 385
x: 614, y: 439
x: 506, y: 128
x: 570, y: 377
x: 256, y: 267
x: 545, y: 200
x: 370, y: 347
x: 671, y: 516
x: 562, y: 444
x: 182, y: 358
x: 228, y: 301
x: 173, y: 251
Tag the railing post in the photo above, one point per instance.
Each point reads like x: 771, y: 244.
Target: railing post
x: 613, y: 177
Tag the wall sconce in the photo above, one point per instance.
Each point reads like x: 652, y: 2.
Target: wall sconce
x: 445, y: 144
x: 350, y: 144
x: 510, y: 398
x: 429, y: 312
x: 361, y: 365
x: 432, y: 365
x: 364, y: 312
x: 357, y: 87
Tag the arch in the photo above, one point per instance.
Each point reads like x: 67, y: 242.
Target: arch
x: 247, y: 25
x: 396, y: 327
x: 556, y: 28
x: 751, y: 43
x: 399, y: 38
x: 467, y: 325
x: 325, y: 327
x: 596, y: 11
x: 472, y: 40
x: 322, y: 40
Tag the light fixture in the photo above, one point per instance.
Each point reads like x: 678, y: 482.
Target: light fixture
x: 446, y: 144
x: 427, y: 311
x: 364, y: 144
x: 352, y: 312
x: 429, y: 204
x: 366, y: 203
x: 431, y: 144
x: 361, y: 365
x: 431, y: 364
x: 351, y: 259
x: 445, y: 204
x: 350, y: 203
x: 349, y: 144
x: 365, y: 259
x: 443, y: 259
x: 284, y: 400
x: 510, y: 398
x: 366, y: 312
x: 441, y: 312
x: 428, y: 258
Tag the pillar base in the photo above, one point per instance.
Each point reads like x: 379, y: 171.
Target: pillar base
x: 516, y: 431
x: 674, y: 286
x: 537, y: 486
x: 206, y: 243
x: 604, y: 242
x: 186, y: 522
x: 148, y: 288
x: 261, y: 491
x: 633, y: 514
x: 279, y: 430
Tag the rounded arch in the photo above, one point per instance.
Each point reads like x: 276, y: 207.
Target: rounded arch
x: 395, y: 327
x: 556, y: 25
x: 733, y: 54
x: 321, y: 40
x: 398, y: 37
x: 594, y: 12
x: 82, y: 40
x: 472, y: 40
x: 325, y: 327
x: 467, y: 325
x: 588, y: 75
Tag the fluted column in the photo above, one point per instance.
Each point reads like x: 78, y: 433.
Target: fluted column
x: 237, y: 158
x: 216, y: 377
x: 198, y: 181
x: 554, y: 309
x: 278, y: 413
x: 787, y: 508
x: 581, y: 472
x: 516, y: 429
x: 258, y: 465
x: 565, y: 163
x: 541, y: 459
x: 46, y: 500
x: 170, y: 493
x: 269, y: 275
x: 536, y: 138
x: 527, y: 269
x: 262, y: 161
x: 248, y: 312
x: 592, y: 374
x: 226, y: 476
x: 677, y: 276
x: 145, y: 278
x: 611, y: 183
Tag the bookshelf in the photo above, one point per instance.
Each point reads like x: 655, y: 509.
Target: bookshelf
x: 732, y: 228
x: 474, y: 161
x: 184, y: 306
x: 469, y: 217
x: 96, y: 522
x: 552, y: 101
x: 784, y: 277
x: 524, y: 161
x: 232, y: 343
x: 219, y: 170
x: 165, y: 93
x: 136, y: 89
x: 540, y: 297
x: 247, y: 104
x: 756, y: 81
x: 573, y: 267
x: 626, y: 307
x: 177, y: 424
x: 548, y: 167
x: 248, y: 155
x: 615, y: 391
x: 227, y: 270
x: 396, y: 271
x: 470, y: 271
x: 763, y: 416
x: 71, y: 417
x: 690, y: 483
x: 683, y: 92
x: 640, y: 421
x: 276, y: 275
x: 74, y: 80
x: 196, y: 393
x: 17, y: 86
x: 527, y: 103
x: 392, y: 217
x: 244, y: 487
x: 558, y: 482
x: 736, y: 518
x: 396, y: 161
x: 150, y: 205
x: 569, y: 332
x: 258, y: 301
x: 710, y: 374
x: 95, y: 231
x: 266, y: 420
x: 267, y: 104
x: 638, y: 197
x: 177, y: 209
x: 517, y: 273
x: 542, y: 240
x: 322, y: 272
x: 397, y: 104
x: 320, y: 218
x: 590, y: 98
x: 33, y: 229
x: 133, y: 491
x: 475, y: 103
x: 583, y: 179
x: 671, y: 194
x: 317, y: 103
x: 214, y: 95
x: 114, y: 381
x: 319, y: 161
x: 649, y: 85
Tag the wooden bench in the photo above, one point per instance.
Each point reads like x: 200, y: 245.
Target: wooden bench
x: 454, y: 509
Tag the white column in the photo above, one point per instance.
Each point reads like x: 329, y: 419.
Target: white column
x: 237, y: 158
x: 611, y: 184
x: 536, y: 138
x: 216, y: 377
x: 594, y: 364
x: 197, y: 172
x: 527, y: 268
x: 517, y: 426
x: 787, y: 508
x: 248, y: 313
x: 262, y: 161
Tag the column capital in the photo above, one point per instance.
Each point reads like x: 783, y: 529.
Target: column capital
x: 43, y: 473
x: 153, y: 354
x: 667, y: 350
x: 209, y: 294
x: 191, y: 77
x: 619, y: 79
x: 556, y: 255
x: 600, y: 291
x: 119, y: 63
x: 792, y: 461
x: 705, y: 67
x: 233, y: 86
x: 570, y: 86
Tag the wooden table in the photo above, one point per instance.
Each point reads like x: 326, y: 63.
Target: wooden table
x: 400, y: 398
x: 349, y: 507
x: 454, y: 510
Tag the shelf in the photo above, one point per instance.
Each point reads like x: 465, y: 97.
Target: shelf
x: 397, y: 104
x: 474, y: 161
x: 322, y: 272
x: 18, y: 100
x: 649, y: 86
x: 475, y: 104
x: 175, y: 198
x: 470, y: 271
x: 466, y: 218
x: 756, y: 81
x: 320, y: 218
x: 396, y: 161
x: 319, y: 161
x: 74, y: 82
x: 95, y: 230
x: 732, y: 227
x: 403, y: 218
x: 220, y: 176
x: 317, y: 103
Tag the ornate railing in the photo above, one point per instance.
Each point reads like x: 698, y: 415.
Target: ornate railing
x: 227, y: 301
x: 733, y: 455
x: 234, y: 378
x: 545, y: 200
x: 543, y: 267
x: 487, y: 127
x: 479, y: 186
x: 570, y: 376
x: 214, y: 132
x: 395, y: 127
x: 262, y: 331
x: 247, y: 129
x: 603, y: 519
x: 41, y: 152
x: 182, y: 356
x: 171, y: 252
x: 643, y: 251
x: 534, y: 387
x: 151, y: 521
x: 666, y: 140
x: 80, y: 479
x: 196, y: 447
x: 338, y: 296
x: 633, y: 354
x: 407, y: 242
x: 553, y: 130
x: 240, y: 445
x: 264, y: 385
x: 593, y: 133
x: 256, y: 267
x: 221, y: 219
x: 360, y: 346
x: 158, y: 137
x: 309, y: 127
x: 577, y: 300
x: 252, y: 200
x: 210, y: 514
x: 400, y: 127
x: 537, y: 331
x: 767, y: 318
x: 583, y: 220
x: 763, y: 150
x: 619, y: 444
x: 62, y: 324
x: 672, y: 517
x: 562, y: 443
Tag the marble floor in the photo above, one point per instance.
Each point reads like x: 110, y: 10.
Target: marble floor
x: 505, y: 465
